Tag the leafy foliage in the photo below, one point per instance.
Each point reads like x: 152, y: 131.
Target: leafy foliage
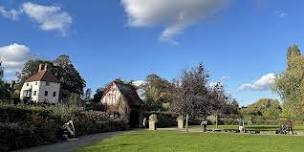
x: 263, y: 110
x: 156, y: 92
x: 290, y: 85
x: 24, y: 126
x: 97, y: 96
x: 5, y: 90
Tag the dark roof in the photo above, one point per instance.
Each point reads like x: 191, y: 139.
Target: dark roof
x: 43, y: 76
x: 129, y: 92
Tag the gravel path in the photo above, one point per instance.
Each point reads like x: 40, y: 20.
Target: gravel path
x: 72, y: 145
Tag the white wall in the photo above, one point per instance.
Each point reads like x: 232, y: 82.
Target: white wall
x: 40, y: 87
x: 51, y: 88
x: 115, y: 98
x: 112, y: 97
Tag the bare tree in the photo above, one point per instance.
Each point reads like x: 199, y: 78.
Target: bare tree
x: 218, y: 100
x: 191, y: 94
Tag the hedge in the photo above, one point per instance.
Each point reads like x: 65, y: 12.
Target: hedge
x: 165, y: 119
x: 27, y: 126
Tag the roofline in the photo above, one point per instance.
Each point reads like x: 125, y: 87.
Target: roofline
x: 43, y: 81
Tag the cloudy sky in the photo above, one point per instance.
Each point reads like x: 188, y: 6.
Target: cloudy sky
x: 242, y: 43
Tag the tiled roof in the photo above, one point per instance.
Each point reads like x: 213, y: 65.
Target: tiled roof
x: 43, y: 76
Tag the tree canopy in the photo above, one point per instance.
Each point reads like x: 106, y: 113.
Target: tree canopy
x: 193, y: 96
x: 156, y: 92
x: 5, y: 90
x: 290, y: 85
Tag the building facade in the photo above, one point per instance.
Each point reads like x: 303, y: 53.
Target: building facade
x: 42, y: 87
x: 123, y: 99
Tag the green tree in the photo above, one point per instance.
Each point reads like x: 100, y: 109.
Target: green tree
x: 98, y: 95
x: 87, y: 95
x: 5, y: 91
x: 290, y: 85
x: 1, y: 82
x: 68, y: 74
x: 1, y: 71
x: 263, y: 109
x: 156, y: 92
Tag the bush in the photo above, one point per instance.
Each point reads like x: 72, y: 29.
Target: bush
x: 165, y: 119
x: 25, y: 126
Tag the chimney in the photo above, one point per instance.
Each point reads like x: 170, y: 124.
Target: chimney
x: 40, y: 67
x: 45, y: 67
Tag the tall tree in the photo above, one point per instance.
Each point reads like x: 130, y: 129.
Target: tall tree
x: 98, y: 95
x: 87, y: 95
x: 1, y: 71
x: 156, y: 92
x: 69, y: 76
x: 218, y: 100
x: 5, y: 92
x: 191, y: 94
x: 290, y: 85
x: 293, y: 53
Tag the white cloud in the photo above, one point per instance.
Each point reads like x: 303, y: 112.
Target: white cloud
x: 49, y: 18
x: 173, y: 15
x: 10, y: 14
x: 14, y: 56
x: 281, y: 14
x: 264, y: 83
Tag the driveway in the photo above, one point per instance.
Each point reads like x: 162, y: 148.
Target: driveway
x: 73, y: 144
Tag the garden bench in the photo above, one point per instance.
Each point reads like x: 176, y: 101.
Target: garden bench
x: 232, y: 130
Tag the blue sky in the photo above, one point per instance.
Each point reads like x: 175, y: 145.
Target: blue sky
x: 239, y: 41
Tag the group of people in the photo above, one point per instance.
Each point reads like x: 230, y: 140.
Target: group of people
x: 286, y: 128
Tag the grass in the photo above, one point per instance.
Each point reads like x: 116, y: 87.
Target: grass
x: 250, y: 127
x: 172, y: 141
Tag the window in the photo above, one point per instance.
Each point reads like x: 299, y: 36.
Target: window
x: 34, y: 93
x: 47, y: 83
x: 46, y: 93
x: 54, y: 94
x: 36, y: 83
x: 27, y: 84
x: 27, y: 93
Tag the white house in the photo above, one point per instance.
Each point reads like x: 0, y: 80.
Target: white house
x: 41, y: 87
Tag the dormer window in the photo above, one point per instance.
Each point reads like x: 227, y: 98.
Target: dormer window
x: 27, y: 84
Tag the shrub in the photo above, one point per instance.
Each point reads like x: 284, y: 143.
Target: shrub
x: 25, y: 126
x: 165, y: 119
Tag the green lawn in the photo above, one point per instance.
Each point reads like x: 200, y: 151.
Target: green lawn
x: 172, y: 141
x: 251, y: 127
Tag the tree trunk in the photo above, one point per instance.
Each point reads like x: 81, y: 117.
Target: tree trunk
x: 187, y: 122
x: 216, y: 121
